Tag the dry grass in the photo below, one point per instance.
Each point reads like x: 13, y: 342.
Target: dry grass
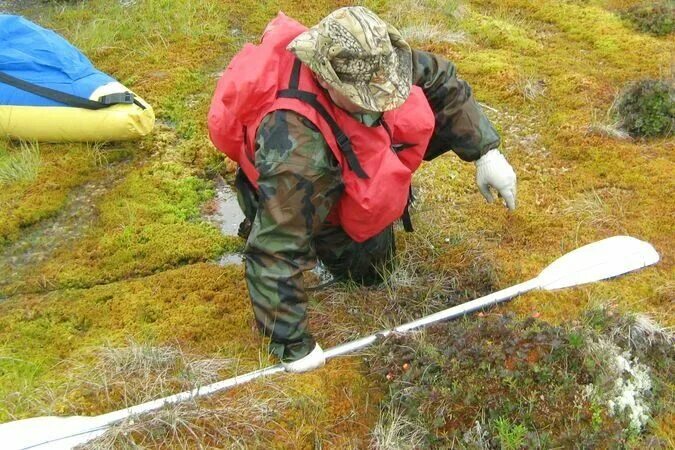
x: 612, y: 131
x: 138, y: 372
x: 19, y: 165
x: 115, y: 377
x: 141, y: 372
x: 427, y: 32
x: 607, y: 126
x: 97, y: 153
x: 409, y: 291
x: 477, y: 437
x: 642, y: 331
x: 602, y: 207
x: 404, y: 11
x: 426, y: 21
x: 395, y: 431
x: 230, y: 423
x: 531, y: 87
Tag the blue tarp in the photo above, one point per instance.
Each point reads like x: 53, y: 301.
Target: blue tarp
x: 42, y: 57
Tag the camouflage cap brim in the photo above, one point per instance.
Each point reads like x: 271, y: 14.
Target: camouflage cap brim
x: 360, y: 55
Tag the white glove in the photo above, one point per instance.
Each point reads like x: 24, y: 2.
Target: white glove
x: 493, y: 170
x: 313, y: 360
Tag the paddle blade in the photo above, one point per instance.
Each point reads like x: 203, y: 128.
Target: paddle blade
x: 598, y: 261
x: 54, y: 433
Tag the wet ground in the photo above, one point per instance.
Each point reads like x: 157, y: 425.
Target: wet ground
x: 226, y: 215
x: 37, y: 243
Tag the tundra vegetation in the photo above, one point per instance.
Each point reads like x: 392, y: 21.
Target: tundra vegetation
x: 111, y: 292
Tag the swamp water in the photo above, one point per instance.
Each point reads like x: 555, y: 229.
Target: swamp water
x: 224, y: 213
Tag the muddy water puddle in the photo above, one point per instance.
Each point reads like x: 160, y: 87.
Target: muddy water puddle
x: 38, y: 242
x: 225, y: 213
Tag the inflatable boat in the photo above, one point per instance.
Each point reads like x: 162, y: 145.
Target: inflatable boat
x: 49, y: 91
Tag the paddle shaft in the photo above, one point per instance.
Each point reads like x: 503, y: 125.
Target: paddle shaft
x: 446, y: 314
x: 343, y: 349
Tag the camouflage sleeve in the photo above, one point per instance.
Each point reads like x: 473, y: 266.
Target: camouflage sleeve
x: 461, y: 125
x: 299, y: 183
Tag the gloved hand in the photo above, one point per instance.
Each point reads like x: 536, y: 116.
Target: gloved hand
x: 313, y: 360
x: 493, y: 170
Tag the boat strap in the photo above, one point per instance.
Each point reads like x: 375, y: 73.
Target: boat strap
x: 69, y: 99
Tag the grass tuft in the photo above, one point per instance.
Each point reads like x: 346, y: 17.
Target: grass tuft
x: 531, y: 88
x: 612, y: 131
x: 425, y: 32
x: 19, y: 165
x: 233, y: 424
x: 140, y: 372
x: 395, y: 431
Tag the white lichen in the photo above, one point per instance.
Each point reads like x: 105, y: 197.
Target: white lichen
x: 630, y: 389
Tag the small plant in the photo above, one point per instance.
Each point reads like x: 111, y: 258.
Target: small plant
x: 646, y: 108
x: 21, y: 164
x: 656, y: 18
x: 511, y: 436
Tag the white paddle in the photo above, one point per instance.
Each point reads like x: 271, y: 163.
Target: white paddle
x: 594, y: 262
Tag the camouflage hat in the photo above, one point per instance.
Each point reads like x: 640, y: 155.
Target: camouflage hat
x: 359, y: 55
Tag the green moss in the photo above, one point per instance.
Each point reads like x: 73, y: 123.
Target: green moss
x: 200, y: 306
x: 148, y: 223
x: 502, y: 32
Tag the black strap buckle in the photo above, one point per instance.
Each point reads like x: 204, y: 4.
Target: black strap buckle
x: 343, y: 141
x: 126, y: 98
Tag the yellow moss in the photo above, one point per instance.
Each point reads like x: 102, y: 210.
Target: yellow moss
x: 199, y: 307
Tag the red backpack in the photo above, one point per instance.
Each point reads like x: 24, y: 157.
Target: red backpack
x: 377, y: 162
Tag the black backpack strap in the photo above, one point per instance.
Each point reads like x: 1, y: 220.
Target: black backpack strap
x: 405, y: 218
x: 309, y: 98
x: 69, y: 99
x: 342, y: 140
x: 295, y: 75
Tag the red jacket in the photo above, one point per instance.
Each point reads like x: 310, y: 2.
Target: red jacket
x: 377, y: 162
